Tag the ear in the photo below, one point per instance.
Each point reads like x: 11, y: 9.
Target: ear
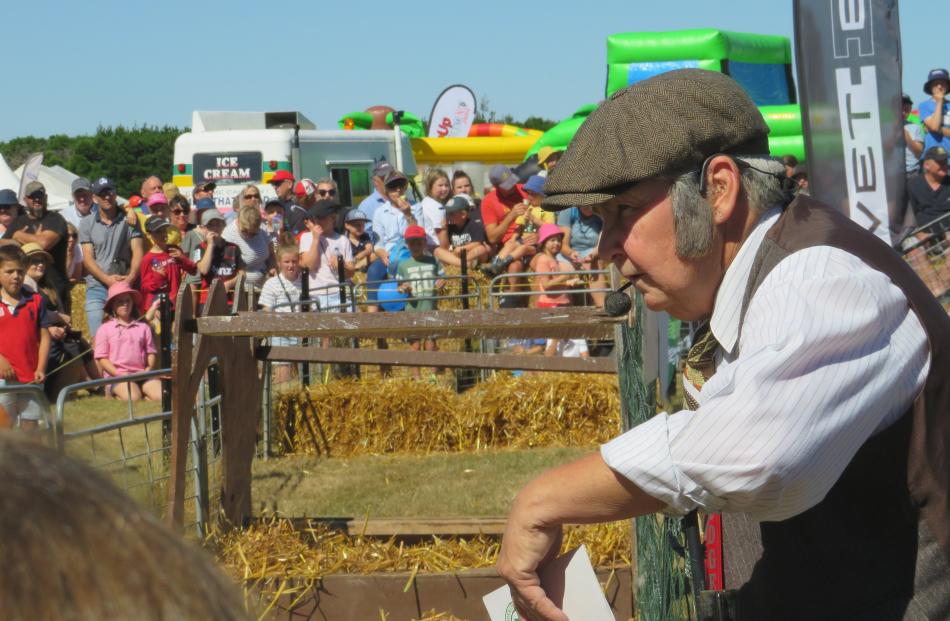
x: 723, y: 186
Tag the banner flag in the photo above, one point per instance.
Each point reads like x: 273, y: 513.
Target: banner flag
x: 452, y: 113
x: 848, y: 57
x: 31, y: 172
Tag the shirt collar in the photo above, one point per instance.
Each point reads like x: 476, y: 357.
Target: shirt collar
x: 728, y: 306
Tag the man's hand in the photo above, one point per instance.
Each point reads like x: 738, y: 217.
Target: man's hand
x: 6, y: 371
x: 57, y: 333
x: 524, y: 548
x: 519, y: 210
x: 111, y: 279
x: 939, y: 91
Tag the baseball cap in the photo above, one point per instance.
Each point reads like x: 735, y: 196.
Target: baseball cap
x: 382, y: 169
x: 355, y: 215
x: 502, y: 177
x: 459, y: 202
x: 273, y: 204
x: 102, y: 184
x: 80, y: 183
x: 414, y: 232
x: 204, y: 203
x: 156, y: 223
x: 545, y: 152
x: 324, y: 208
x: 210, y: 214
x: 935, y: 75
x: 535, y: 183
x: 938, y: 154
x: 305, y: 187
x: 207, y: 186
x: 639, y: 133
x: 158, y: 198
x: 394, y: 176
x: 33, y: 187
x: 8, y: 197
x: 280, y: 176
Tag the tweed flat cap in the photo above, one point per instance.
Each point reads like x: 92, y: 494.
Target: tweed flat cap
x: 667, y: 124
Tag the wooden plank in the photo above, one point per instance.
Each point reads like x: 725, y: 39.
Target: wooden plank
x: 401, y: 527
x: 571, y: 322
x: 241, y: 414
x: 181, y: 410
x: 411, y: 358
x: 400, y: 596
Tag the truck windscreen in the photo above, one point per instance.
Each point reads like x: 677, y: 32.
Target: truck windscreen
x: 226, y: 168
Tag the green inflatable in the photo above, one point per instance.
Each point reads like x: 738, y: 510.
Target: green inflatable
x: 760, y: 63
x: 411, y: 125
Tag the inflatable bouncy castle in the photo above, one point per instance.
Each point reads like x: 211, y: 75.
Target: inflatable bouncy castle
x: 762, y: 64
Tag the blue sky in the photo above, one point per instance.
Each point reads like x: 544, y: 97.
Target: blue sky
x: 132, y: 62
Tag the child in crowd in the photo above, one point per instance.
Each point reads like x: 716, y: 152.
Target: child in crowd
x: 462, y: 233
x: 520, y: 247
x: 280, y: 293
x: 273, y: 223
x: 419, y: 276
x: 438, y: 190
x: 24, y: 340
x: 545, y: 263
x: 124, y: 345
x: 164, y: 265
x: 323, y: 250
x: 361, y: 242
x: 74, y: 270
x: 567, y: 348
x: 220, y: 259
x: 69, y: 360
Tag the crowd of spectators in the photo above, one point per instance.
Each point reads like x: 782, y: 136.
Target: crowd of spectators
x: 401, y: 240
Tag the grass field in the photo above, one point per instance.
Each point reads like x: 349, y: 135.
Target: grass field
x: 437, y: 485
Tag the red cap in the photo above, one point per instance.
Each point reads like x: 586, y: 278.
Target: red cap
x: 135, y: 201
x: 305, y: 187
x: 415, y: 232
x: 281, y: 175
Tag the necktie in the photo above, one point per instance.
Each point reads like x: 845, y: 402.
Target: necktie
x: 700, y: 366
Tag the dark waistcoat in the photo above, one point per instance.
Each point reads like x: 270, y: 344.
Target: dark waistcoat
x: 877, y: 546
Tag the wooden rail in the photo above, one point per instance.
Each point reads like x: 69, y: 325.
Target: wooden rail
x: 457, y: 360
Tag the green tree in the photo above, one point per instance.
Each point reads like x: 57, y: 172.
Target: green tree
x: 126, y: 155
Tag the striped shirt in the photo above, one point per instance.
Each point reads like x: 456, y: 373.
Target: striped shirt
x: 830, y: 353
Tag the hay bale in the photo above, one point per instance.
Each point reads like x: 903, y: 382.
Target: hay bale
x: 272, y: 559
x: 401, y: 416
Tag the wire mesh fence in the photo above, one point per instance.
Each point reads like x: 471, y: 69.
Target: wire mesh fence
x: 130, y: 441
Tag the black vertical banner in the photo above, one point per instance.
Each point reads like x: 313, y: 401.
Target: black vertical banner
x: 849, y: 77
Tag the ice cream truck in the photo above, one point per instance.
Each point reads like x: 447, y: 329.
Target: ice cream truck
x: 234, y: 149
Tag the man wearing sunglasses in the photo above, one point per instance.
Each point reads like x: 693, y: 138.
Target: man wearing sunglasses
x: 47, y: 228
x: 817, y: 404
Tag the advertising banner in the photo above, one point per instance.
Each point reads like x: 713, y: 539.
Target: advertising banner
x: 849, y: 80
x: 453, y: 113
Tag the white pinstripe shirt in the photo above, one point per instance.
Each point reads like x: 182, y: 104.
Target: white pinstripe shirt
x: 830, y: 353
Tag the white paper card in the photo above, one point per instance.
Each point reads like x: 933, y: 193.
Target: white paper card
x: 570, y: 582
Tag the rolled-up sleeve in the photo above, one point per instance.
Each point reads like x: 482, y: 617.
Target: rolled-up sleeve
x: 830, y: 354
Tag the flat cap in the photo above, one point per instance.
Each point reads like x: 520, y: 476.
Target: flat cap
x: 666, y: 124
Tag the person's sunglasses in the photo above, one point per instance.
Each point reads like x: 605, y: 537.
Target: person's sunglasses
x: 179, y: 212
x: 330, y: 192
x: 250, y: 196
x: 37, y: 196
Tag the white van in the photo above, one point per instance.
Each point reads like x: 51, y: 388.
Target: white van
x: 234, y: 149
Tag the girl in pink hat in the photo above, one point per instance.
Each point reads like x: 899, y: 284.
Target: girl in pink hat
x: 545, y: 263
x: 124, y: 344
